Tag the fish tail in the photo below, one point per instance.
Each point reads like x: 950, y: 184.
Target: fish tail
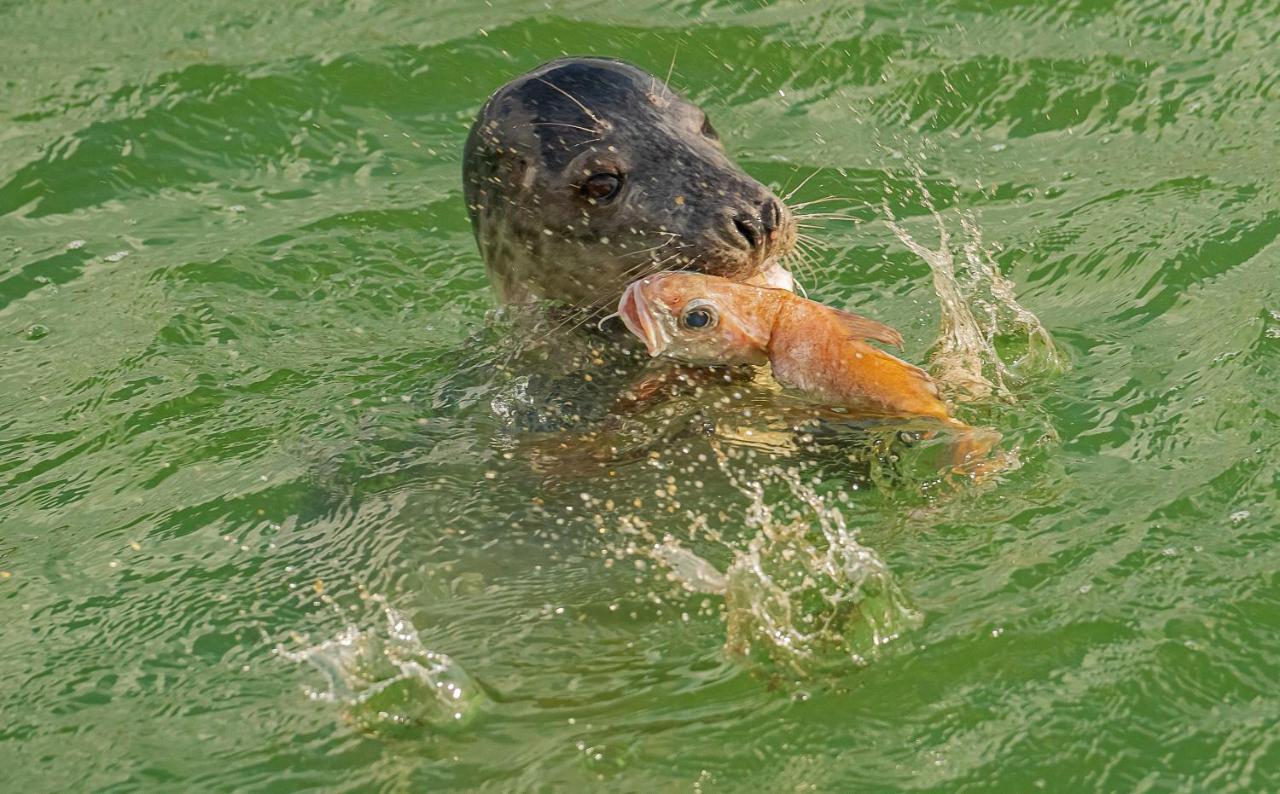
x: 974, y: 452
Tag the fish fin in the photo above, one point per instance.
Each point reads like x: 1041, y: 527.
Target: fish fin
x: 926, y: 380
x: 860, y: 327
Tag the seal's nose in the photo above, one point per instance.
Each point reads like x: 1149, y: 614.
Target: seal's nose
x: 756, y: 227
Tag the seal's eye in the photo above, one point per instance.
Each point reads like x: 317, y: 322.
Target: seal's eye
x: 708, y: 130
x: 602, y: 188
x: 699, y: 317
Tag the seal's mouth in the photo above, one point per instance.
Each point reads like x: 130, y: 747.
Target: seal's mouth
x: 774, y: 275
x: 638, y: 316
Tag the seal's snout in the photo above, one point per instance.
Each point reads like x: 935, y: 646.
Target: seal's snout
x: 757, y: 229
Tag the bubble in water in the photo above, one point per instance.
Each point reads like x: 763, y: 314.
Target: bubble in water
x: 389, y: 683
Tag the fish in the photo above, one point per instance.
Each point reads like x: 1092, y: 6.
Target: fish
x: 817, y: 350
x: 820, y: 351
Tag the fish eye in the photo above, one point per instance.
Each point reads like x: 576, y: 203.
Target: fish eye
x: 601, y: 188
x: 699, y: 317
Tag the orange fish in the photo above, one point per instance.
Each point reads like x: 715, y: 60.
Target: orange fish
x: 814, y: 349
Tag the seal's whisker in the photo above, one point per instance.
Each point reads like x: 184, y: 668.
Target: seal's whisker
x: 813, y: 242
x: 574, y: 319
x: 644, y: 252
x: 806, y: 256
x: 571, y: 318
x: 796, y: 189
x: 808, y: 242
x: 803, y: 182
x: 590, y: 113
x: 794, y: 263
x: 647, y: 266
x: 787, y: 184
x: 666, y: 81
x: 811, y: 262
x: 642, y: 269
x: 810, y: 269
x: 834, y: 219
x: 651, y: 261
x: 826, y: 216
x: 799, y: 275
x: 809, y: 238
x: 560, y: 124
x: 657, y: 247
x: 656, y: 263
x: 797, y: 257
x: 824, y: 200
x: 813, y: 223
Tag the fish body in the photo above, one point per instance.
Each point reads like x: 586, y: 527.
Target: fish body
x: 817, y: 350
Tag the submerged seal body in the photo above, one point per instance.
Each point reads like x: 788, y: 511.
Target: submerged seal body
x: 588, y: 173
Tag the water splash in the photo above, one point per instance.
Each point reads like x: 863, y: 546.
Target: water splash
x: 389, y: 683
x: 803, y: 594
x: 980, y: 316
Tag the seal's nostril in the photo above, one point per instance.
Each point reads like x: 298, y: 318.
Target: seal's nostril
x: 771, y: 214
x: 746, y: 226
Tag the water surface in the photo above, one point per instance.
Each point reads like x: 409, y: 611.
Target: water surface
x: 248, y: 401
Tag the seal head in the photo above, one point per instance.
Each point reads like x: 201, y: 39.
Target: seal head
x: 588, y: 173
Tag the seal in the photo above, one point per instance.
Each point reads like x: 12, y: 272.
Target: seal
x: 588, y: 173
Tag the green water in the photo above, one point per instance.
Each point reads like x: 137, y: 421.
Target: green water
x: 248, y: 383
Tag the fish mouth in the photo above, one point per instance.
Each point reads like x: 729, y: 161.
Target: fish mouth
x: 637, y: 315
